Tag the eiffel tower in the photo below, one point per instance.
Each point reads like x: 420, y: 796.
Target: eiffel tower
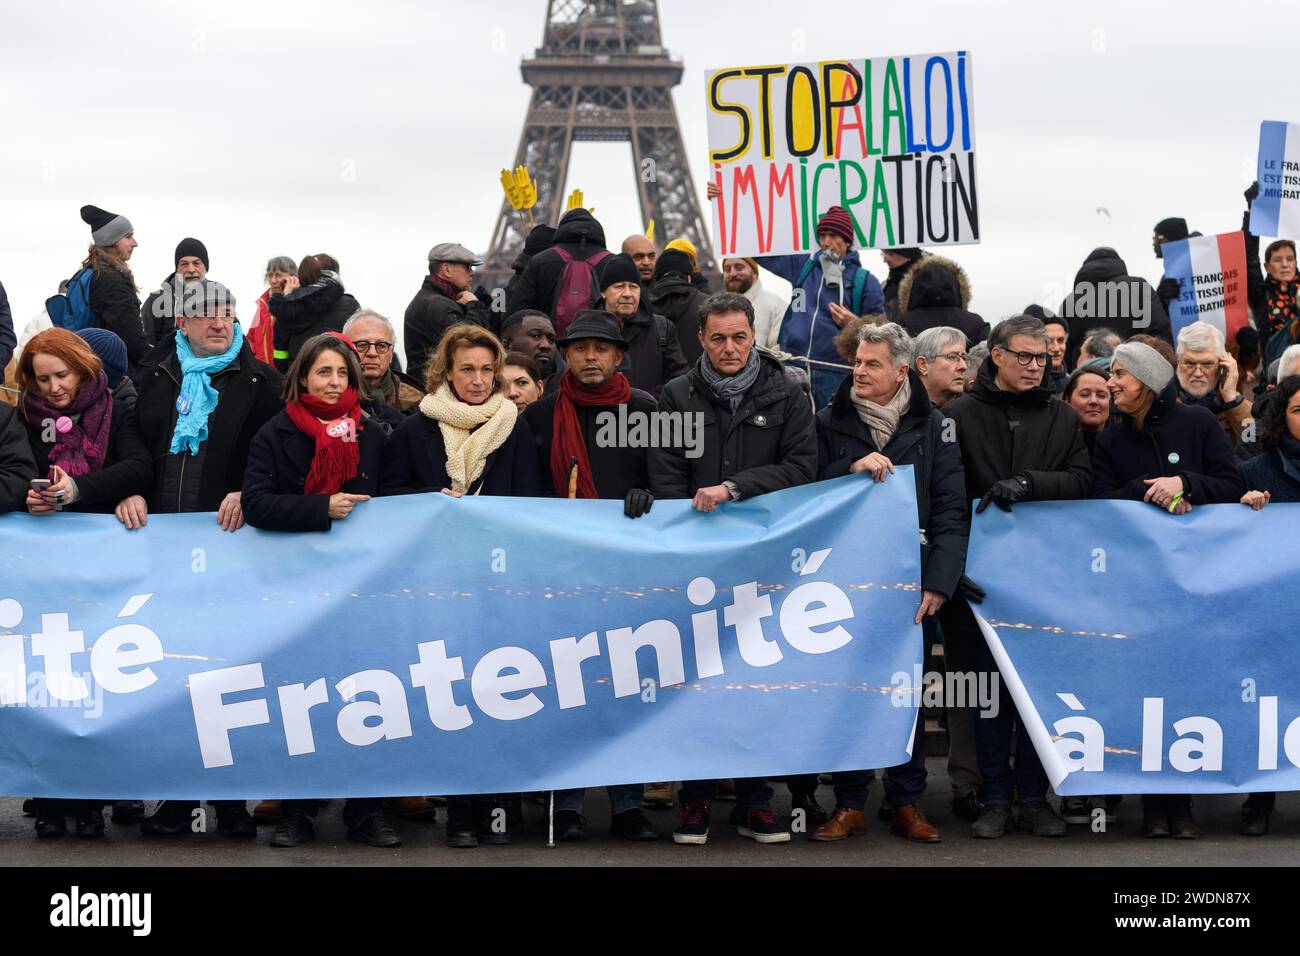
x: 602, y: 75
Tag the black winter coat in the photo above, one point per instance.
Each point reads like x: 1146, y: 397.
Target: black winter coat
x: 431, y: 313
x: 676, y: 299
x: 8, y: 340
x: 768, y: 444
x: 249, y: 397
x: 117, y: 308
x: 843, y: 438
x: 127, y: 468
x: 616, y: 470
x: 653, y: 358
x: 1273, y: 472
x: 1033, y: 434
x: 415, y: 462
x: 1176, y: 439
x: 278, y: 462
x: 1106, y: 296
x: 17, y: 469
x: 581, y: 236
x: 306, y: 312
x: 936, y: 300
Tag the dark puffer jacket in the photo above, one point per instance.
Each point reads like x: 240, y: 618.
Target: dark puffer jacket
x: 674, y: 297
x: 654, y: 357
x: 580, y: 235
x: 1176, y: 439
x: 306, y: 312
x: 936, y: 293
x: 769, y: 443
x: 843, y: 438
x: 1032, y: 434
x: 1106, y: 296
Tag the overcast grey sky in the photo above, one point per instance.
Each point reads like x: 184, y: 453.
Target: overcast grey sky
x: 375, y: 130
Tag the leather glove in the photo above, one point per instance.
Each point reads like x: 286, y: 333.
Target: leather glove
x: 1005, y: 493
x: 637, y: 502
x: 1252, y: 192
x: 971, y: 591
x: 1168, y: 289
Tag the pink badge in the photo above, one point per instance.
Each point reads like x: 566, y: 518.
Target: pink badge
x: 339, y: 427
x: 63, y: 424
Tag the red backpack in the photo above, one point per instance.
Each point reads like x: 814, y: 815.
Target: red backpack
x: 577, y: 288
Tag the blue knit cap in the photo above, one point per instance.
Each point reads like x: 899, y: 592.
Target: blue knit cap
x: 111, y: 351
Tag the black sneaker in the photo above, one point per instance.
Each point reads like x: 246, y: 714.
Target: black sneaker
x: 1039, y: 817
x: 127, y: 812
x: 693, y: 827
x: 50, y: 823
x: 570, y: 826
x: 992, y: 822
x: 814, y: 815
x: 374, y: 830
x: 234, y: 820
x: 29, y: 807
x: 171, y: 818
x: 90, y: 821
x: 966, y: 806
x: 294, y: 829
x: 760, y: 826
x: 632, y: 825
x: 1254, y: 819
x: 1076, y: 810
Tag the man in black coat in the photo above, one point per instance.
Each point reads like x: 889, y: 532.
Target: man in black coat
x: 1018, y: 443
x: 880, y: 418
x: 209, y: 477
x: 936, y: 292
x: 754, y: 433
x: 588, y: 420
x: 581, y: 237
x: 1106, y: 296
x: 653, y: 355
x: 674, y: 297
x: 158, y: 315
x: 444, y: 300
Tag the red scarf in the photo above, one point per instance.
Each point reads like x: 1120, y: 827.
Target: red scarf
x: 567, y: 441
x: 445, y: 286
x: 261, y: 337
x: 338, y: 454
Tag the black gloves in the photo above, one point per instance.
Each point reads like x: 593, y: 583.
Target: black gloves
x: 1252, y: 192
x: 1168, y: 289
x: 971, y: 591
x: 637, y: 502
x: 1005, y: 493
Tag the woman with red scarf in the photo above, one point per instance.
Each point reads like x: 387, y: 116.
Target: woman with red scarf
x: 87, y: 446
x: 308, y: 467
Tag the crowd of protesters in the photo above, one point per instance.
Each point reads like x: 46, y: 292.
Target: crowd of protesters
x: 295, y: 415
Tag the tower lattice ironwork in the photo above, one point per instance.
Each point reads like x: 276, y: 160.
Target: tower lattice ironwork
x: 603, y: 75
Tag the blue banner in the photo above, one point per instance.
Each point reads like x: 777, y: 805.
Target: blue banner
x: 1148, y: 653
x: 434, y: 645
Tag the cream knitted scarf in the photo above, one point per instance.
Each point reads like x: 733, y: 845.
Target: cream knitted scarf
x: 469, y: 432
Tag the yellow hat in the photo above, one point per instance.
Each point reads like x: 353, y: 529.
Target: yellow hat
x: 683, y: 245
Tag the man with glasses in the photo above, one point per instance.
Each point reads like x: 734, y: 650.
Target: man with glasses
x: 1208, y: 376
x: 372, y: 334
x: 203, y: 396
x: 941, y: 363
x: 444, y: 299
x: 1018, y: 443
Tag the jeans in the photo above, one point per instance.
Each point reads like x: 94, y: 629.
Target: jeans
x: 960, y: 656
x: 993, y: 744
x: 824, y: 383
x: 904, y: 784
x: 622, y: 797
x: 752, y: 793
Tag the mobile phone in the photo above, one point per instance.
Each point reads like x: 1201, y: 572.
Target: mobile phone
x: 40, y: 484
x: 1222, y: 374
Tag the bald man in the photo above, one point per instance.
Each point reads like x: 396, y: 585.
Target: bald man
x: 643, y: 254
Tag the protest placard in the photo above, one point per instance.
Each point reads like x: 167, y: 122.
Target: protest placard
x: 1211, y: 271
x: 1276, y: 210
x: 891, y: 139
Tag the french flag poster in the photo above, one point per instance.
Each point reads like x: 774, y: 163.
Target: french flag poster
x: 1211, y: 271
x: 1276, y: 210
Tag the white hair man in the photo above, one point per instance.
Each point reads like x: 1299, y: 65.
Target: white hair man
x: 1208, y: 376
x: 941, y: 362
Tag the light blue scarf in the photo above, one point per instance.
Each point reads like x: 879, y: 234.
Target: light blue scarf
x: 198, y: 398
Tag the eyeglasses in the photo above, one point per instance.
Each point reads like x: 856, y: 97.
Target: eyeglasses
x: 1207, y: 366
x: 953, y: 357
x: 381, y: 348
x: 1028, y: 358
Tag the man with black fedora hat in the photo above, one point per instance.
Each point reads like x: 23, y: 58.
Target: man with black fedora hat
x: 583, y: 452
x: 159, y: 312
x: 653, y: 356
x: 113, y: 296
x: 444, y: 299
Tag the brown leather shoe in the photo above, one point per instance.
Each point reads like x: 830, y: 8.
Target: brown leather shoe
x: 843, y: 823
x: 910, y: 823
x: 267, y: 811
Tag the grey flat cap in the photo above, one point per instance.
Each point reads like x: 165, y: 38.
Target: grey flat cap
x: 453, y: 252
